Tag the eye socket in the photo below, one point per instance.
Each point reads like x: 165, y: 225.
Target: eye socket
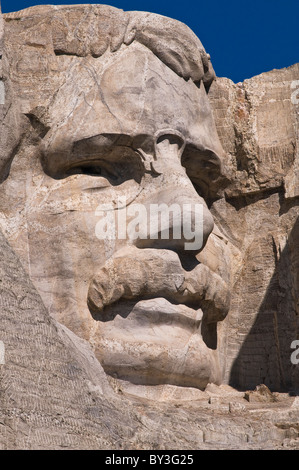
x: 203, y: 167
x: 116, y: 164
x: 93, y: 169
x: 116, y: 172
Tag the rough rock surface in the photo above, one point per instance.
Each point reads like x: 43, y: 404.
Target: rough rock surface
x: 132, y: 121
x: 54, y: 393
x: 257, y: 122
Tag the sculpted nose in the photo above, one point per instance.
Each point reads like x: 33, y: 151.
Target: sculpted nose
x: 177, y: 217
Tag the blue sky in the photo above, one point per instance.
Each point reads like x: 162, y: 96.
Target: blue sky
x: 243, y: 38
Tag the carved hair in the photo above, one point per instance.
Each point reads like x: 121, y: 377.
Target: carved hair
x: 102, y: 28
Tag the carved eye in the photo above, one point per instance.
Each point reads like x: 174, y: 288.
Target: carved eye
x: 203, y: 166
x: 116, y: 164
x: 95, y: 168
x: 91, y: 170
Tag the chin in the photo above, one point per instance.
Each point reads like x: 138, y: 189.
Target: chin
x: 155, y: 342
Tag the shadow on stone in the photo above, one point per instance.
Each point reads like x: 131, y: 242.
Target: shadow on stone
x: 265, y: 355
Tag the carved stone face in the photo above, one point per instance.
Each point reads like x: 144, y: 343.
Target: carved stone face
x: 122, y: 131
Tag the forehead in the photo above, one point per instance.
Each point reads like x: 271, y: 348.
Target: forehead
x: 128, y: 93
x: 66, y: 79
x: 79, y: 51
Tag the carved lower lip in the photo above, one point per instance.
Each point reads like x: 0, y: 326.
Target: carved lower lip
x: 160, y: 311
x: 153, y: 312
x: 136, y: 274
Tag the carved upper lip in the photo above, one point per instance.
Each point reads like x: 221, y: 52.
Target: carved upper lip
x: 134, y: 274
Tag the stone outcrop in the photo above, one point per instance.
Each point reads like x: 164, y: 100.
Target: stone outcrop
x: 102, y: 340
x: 257, y: 122
x: 54, y: 393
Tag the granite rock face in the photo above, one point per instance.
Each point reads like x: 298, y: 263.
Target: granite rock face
x: 257, y: 122
x: 105, y: 112
x: 115, y: 123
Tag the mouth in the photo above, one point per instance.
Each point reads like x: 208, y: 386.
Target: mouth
x: 135, y: 275
x: 156, y: 320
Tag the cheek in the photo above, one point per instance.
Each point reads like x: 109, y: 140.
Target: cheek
x: 84, y: 194
x: 62, y: 254
x: 63, y: 244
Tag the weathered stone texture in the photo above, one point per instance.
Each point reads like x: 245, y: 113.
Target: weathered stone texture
x: 61, y: 68
x: 257, y: 122
x: 133, y: 120
x: 54, y: 393
x: 51, y: 385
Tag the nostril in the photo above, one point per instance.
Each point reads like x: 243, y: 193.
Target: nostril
x: 188, y: 260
